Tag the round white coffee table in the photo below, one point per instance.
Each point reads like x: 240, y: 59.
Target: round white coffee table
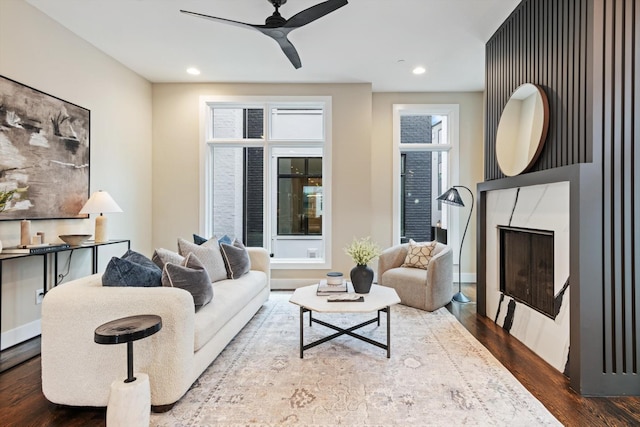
x: 379, y: 298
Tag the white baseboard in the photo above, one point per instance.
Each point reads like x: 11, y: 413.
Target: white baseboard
x: 290, y: 284
x: 465, y: 277
x: 20, y: 334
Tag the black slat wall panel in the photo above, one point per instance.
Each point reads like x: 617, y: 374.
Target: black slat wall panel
x: 542, y: 42
x: 586, y: 56
x: 616, y: 92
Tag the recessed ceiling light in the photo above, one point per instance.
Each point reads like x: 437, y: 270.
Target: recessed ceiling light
x: 419, y: 70
x: 193, y: 71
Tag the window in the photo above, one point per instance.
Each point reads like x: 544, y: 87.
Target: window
x: 425, y: 141
x: 267, y: 177
x: 299, y: 196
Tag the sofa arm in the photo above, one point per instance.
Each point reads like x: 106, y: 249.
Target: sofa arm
x: 260, y: 260
x: 391, y: 258
x: 77, y: 371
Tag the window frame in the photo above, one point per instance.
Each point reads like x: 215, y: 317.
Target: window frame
x: 206, y: 166
x: 452, y: 111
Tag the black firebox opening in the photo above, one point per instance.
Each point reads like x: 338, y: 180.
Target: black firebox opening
x: 526, y: 267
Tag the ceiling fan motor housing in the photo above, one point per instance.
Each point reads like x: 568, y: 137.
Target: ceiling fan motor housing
x: 275, y: 20
x: 277, y: 3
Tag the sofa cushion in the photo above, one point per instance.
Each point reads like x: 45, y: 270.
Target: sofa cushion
x: 419, y: 254
x: 198, y: 240
x: 191, y: 276
x: 209, y: 254
x: 231, y: 296
x: 236, y: 259
x: 162, y: 256
x: 125, y: 272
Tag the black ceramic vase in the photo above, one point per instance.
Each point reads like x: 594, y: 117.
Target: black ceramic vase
x: 361, y: 278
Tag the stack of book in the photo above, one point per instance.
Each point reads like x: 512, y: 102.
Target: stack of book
x: 325, y: 289
x: 35, y: 249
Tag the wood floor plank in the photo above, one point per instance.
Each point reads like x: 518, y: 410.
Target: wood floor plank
x: 23, y: 404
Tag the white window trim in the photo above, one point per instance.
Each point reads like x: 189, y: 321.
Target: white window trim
x: 453, y: 113
x: 206, y: 172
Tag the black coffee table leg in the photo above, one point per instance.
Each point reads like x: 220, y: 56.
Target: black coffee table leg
x: 388, y: 331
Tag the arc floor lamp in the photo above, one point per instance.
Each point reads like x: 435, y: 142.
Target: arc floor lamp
x: 452, y: 197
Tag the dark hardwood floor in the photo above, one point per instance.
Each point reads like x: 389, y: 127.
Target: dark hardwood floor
x: 23, y: 404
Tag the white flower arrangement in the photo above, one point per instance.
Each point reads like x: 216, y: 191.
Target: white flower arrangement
x: 5, y: 197
x: 362, y: 250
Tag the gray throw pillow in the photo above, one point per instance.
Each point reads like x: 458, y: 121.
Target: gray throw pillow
x: 190, y: 276
x: 124, y: 272
x: 162, y: 256
x: 236, y: 259
x: 138, y: 258
x: 209, y: 254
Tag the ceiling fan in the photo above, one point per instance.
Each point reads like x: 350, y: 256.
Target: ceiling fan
x: 278, y: 28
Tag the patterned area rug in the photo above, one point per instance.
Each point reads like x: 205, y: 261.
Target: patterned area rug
x: 438, y: 374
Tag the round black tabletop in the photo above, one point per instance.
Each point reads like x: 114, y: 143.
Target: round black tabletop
x: 128, y: 329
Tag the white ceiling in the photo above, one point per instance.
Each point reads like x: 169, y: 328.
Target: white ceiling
x: 366, y: 41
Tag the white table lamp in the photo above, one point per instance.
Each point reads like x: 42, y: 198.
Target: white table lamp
x: 100, y: 202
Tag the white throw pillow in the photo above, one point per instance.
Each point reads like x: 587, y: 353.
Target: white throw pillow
x: 419, y: 254
x: 209, y: 254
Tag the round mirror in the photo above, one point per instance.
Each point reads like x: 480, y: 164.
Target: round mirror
x: 522, y: 129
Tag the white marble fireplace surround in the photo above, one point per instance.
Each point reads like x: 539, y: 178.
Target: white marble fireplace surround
x: 541, y: 207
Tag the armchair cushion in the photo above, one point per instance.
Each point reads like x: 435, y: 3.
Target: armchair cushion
x: 419, y: 254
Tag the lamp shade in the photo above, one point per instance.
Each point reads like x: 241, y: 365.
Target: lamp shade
x: 100, y: 202
x: 451, y: 197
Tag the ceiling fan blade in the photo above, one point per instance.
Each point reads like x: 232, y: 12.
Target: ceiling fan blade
x: 313, y: 13
x: 223, y: 20
x: 289, y: 50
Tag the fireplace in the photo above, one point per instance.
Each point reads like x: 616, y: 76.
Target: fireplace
x: 526, y: 267
x: 521, y: 282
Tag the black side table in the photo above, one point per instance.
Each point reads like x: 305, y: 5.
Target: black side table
x: 129, y: 401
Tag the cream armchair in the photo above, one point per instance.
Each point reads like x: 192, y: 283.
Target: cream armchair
x: 427, y: 289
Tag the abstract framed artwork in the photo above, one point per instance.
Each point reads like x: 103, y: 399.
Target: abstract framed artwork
x: 44, y: 153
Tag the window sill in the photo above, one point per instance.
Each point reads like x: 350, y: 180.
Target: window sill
x: 299, y: 264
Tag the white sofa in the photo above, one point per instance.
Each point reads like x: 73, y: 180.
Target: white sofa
x: 76, y: 371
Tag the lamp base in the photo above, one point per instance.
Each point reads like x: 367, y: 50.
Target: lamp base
x: 460, y: 297
x: 101, y: 229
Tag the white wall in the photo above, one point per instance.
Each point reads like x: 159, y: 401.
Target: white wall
x: 38, y: 52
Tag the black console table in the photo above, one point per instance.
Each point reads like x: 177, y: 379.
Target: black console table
x: 93, y: 246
